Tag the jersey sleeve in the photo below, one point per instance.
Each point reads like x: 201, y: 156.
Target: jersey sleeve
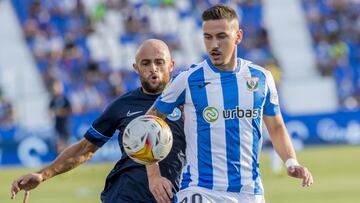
x: 173, y: 95
x: 103, y: 128
x: 271, y: 107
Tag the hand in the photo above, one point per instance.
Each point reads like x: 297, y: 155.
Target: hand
x: 160, y: 187
x: 26, y: 183
x: 302, y: 173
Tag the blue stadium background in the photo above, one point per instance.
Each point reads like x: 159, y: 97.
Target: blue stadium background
x: 89, y: 47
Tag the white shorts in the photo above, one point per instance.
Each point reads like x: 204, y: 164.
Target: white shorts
x: 194, y: 194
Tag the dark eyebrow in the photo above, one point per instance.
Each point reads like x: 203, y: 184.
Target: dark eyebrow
x: 221, y: 33
x: 217, y: 34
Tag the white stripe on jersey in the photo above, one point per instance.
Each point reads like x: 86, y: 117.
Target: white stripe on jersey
x: 246, y: 101
x: 190, y: 127
x: 217, y: 131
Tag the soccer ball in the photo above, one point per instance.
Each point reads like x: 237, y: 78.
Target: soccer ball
x: 147, y: 139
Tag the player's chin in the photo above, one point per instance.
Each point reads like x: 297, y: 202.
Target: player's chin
x: 154, y: 83
x: 216, y: 61
x: 154, y: 87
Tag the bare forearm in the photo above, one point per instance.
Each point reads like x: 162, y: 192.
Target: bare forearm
x: 153, y: 170
x: 159, y: 186
x: 280, y: 137
x: 282, y: 144
x: 153, y: 111
x: 70, y: 158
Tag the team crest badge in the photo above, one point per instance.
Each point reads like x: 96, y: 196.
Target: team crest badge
x: 252, y: 84
x: 175, y: 115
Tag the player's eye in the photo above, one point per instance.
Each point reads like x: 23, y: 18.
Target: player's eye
x: 160, y: 62
x: 222, y: 36
x: 208, y: 37
x: 145, y: 63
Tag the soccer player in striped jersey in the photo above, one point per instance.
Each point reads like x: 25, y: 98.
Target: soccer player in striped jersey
x: 225, y: 100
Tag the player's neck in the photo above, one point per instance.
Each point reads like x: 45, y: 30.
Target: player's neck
x: 231, y: 66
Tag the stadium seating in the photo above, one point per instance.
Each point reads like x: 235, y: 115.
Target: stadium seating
x: 334, y: 26
x: 90, y: 45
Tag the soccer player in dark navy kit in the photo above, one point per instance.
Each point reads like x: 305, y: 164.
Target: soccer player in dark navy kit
x: 127, y: 182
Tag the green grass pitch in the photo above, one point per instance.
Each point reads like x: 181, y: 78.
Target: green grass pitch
x: 336, y: 171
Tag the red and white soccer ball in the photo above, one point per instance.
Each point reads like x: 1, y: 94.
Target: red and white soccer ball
x: 147, y: 139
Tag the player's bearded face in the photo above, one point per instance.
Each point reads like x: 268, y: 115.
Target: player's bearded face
x: 154, y: 66
x: 155, y: 82
x: 221, y: 38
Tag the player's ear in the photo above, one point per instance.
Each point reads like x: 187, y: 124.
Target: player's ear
x: 171, y: 66
x: 135, y: 68
x: 239, y: 36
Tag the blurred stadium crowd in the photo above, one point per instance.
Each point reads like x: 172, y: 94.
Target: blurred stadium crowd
x: 335, y: 28
x: 89, y: 45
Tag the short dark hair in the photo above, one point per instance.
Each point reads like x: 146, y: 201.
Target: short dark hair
x: 218, y: 12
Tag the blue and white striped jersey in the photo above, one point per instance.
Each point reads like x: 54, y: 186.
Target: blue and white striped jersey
x: 223, y: 118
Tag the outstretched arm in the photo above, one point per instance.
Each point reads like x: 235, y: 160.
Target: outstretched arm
x: 159, y: 186
x: 70, y: 158
x: 153, y: 111
x: 283, y: 146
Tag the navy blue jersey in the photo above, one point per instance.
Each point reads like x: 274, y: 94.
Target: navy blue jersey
x: 127, y: 182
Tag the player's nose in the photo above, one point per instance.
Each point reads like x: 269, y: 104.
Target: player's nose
x: 214, y: 44
x: 153, y: 68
